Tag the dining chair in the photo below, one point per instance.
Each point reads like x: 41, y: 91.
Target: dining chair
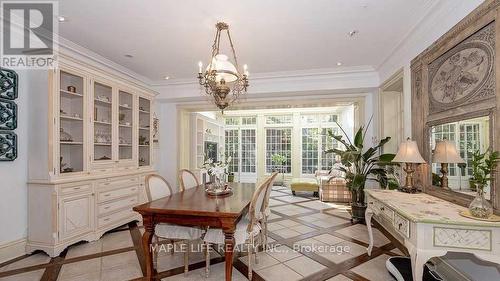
x: 267, y: 210
x: 247, y: 229
x: 157, y: 187
x: 187, y: 179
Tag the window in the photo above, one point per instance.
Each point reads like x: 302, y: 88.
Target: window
x: 309, y: 150
x: 327, y: 142
x: 248, y: 120
x: 279, y: 141
x: 248, y: 151
x: 279, y: 119
x: 469, y: 141
x: 329, y: 118
x: 232, y: 149
x: 232, y: 120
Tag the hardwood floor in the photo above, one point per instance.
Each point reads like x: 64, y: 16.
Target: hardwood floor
x: 299, y: 226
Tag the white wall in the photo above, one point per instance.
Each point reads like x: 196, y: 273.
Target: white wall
x: 441, y: 18
x: 166, y: 160
x: 14, y: 175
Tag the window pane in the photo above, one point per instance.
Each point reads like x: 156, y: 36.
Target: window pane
x: 232, y: 120
x: 279, y: 119
x: 279, y: 141
x: 232, y: 142
x: 309, y: 119
x: 248, y: 151
x: 309, y: 150
x: 329, y: 118
x: 248, y: 120
x: 327, y: 142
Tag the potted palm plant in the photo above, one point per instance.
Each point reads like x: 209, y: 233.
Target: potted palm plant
x: 279, y: 160
x: 360, y: 164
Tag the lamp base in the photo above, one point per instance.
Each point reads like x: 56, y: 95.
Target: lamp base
x: 408, y: 187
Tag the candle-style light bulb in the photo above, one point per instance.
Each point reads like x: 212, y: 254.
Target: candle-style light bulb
x: 200, y: 66
x: 245, y: 69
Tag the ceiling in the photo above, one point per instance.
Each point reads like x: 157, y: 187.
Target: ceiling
x: 168, y: 38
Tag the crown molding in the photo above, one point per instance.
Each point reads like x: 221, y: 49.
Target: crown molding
x: 283, y: 82
x: 72, y: 50
x: 278, y: 74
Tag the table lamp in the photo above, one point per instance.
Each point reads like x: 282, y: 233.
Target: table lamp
x: 445, y: 153
x: 408, y: 153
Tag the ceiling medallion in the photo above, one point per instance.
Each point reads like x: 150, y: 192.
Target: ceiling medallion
x: 221, y: 78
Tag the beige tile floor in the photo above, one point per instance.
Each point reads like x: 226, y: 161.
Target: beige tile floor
x: 307, y: 238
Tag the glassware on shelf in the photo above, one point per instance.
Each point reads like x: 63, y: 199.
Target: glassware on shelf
x: 480, y: 207
x: 64, y: 136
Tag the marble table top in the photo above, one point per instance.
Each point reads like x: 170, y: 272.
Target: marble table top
x: 426, y: 208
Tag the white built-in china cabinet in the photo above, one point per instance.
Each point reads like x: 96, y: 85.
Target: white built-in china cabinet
x: 87, y: 170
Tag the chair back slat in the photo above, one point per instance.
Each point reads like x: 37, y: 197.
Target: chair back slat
x: 157, y: 187
x: 268, y: 191
x: 187, y: 179
x: 258, y: 204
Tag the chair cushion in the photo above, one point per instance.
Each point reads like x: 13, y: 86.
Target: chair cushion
x: 304, y: 184
x: 178, y: 232
x: 216, y: 236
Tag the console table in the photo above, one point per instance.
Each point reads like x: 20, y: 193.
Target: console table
x: 429, y: 227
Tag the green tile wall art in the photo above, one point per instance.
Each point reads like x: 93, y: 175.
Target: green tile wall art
x: 8, y: 114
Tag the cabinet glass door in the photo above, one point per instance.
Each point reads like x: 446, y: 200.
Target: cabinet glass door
x: 103, y: 129
x: 71, y: 105
x: 144, y: 131
x: 125, y: 124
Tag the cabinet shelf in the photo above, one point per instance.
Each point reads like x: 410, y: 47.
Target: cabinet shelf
x: 143, y: 111
x: 143, y: 145
x: 125, y: 107
x: 144, y: 128
x: 70, y: 94
x: 125, y: 126
x: 102, y: 123
x: 102, y: 144
x: 125, y: 145
x: 71, y: 143
x: 65, y: 117
x: 102, y: 102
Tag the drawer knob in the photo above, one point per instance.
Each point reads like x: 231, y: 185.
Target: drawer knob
x: 76, y: 188
x: 382, y: 208
x: 106, y: 219
x: 106, y: 195
x: 400, y: 225
x: 371, y: 203
x: 105, y: 208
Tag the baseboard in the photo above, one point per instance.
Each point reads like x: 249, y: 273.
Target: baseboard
x: 12, y: 249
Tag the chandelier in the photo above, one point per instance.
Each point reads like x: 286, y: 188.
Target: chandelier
x: 221, y: 78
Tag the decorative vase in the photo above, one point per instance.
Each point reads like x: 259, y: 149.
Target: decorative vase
x: 480, y: 207
x: 220, y: 181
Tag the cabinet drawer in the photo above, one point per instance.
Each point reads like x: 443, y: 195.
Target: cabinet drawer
x: 117, y: 205
x: 385, y: 211
x: 402, y: 225
x: 110, y: 183
x: 114, y: 218
x: 76, y: 188
x: 117, y: 193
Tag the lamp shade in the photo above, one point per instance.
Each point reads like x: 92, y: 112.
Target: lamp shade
x: 446, y: 152
x: 223, y: 68
x: 408, y: 153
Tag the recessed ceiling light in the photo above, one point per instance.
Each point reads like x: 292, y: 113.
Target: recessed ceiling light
x: 129, y: 56
x: 339, y: 63
x: 353, y: 32
x: 61, y: 18
x: 166, y: 77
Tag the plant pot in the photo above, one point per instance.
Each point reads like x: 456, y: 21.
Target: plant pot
x: 358, y: 211
x: 230, y: 177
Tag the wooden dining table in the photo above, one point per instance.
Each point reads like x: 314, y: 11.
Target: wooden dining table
x: 193, y: 207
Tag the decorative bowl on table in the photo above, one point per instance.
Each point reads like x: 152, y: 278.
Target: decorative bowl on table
x: 212, y: 190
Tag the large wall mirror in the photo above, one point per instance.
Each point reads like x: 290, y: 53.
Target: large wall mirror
x: 455, y: 100
x: 462, y: 138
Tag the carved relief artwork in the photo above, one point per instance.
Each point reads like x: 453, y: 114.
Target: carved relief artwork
x: 464, y: 73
